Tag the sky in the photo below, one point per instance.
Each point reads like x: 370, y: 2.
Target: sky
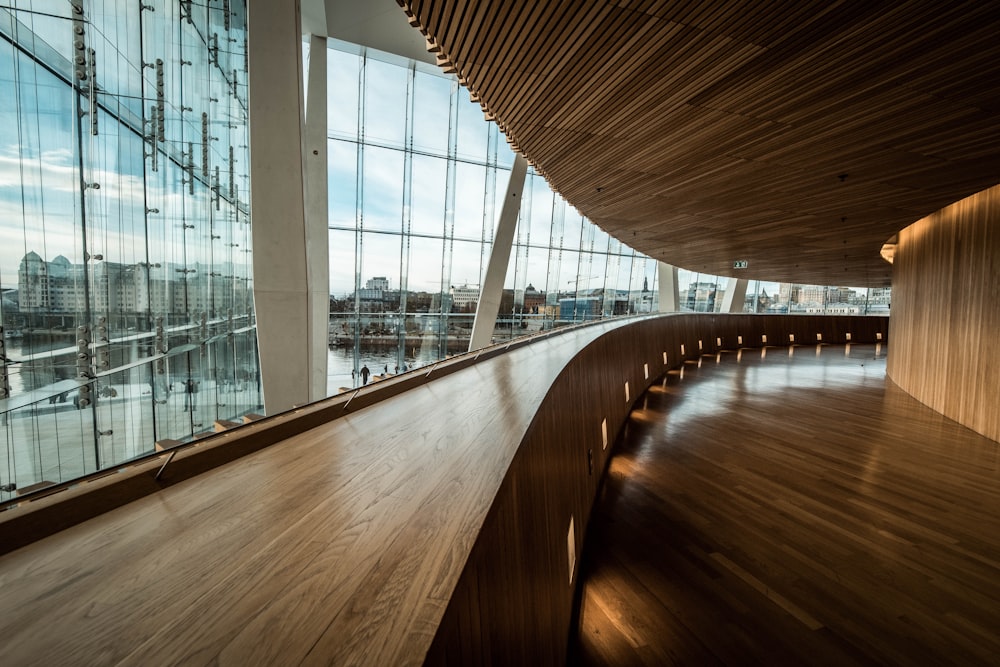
x: 40, y: 179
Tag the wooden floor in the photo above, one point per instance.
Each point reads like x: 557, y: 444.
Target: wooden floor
x: 793, y: 508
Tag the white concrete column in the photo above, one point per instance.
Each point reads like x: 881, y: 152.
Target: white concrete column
x: 666, y: 277
x: 277, y: 202
x: 496, y: 270
x: 736, y: 294
x: 317, y: 232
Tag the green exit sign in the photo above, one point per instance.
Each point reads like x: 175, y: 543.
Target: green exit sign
x: 740, y: 264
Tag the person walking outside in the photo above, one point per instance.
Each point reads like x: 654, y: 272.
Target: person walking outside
x: 190, y: 388
x: 364, y: 374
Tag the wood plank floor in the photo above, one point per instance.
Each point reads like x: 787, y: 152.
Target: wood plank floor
x: 792, y: 508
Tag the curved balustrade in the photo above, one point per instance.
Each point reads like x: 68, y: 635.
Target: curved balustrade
x: 440, y: 523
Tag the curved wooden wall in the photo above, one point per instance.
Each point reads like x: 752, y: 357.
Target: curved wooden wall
x: 514, y: 599
x: 946, y: 312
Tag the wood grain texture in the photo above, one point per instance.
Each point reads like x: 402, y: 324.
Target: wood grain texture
x: 946, y: 312
x: 513, y: 603
x: 702, y: 133
x: 63, y: 505
x: 428, y: 525
x: 792, y: 509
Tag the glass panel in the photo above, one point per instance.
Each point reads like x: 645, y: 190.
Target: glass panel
x: 124, y: 414
x: 342, y: 74
x: 384, y: 116
x: 473, y: 131
x: 470, y: 202
x: 342, y: 162
x: 340, y: 361
x: 431, y: 112
x: 425, y: 343
x: 383, y: 189
x: 427, y: 203
x: 609, y: 294
x: 687, y: 288
x: 123, y: 201
x: 573, y: 229
x: 48, y: 440
x: 540, y: 222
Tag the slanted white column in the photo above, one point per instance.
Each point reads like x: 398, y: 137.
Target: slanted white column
x: 277, y: 203
x: 736, y: 294
x: 317, y: 232
x: 496, y: 270
x: 667, y: 281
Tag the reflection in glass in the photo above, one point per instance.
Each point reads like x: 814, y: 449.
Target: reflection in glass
x: 123, y: 199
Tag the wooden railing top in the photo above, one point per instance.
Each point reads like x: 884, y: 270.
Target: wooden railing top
x: 54, y: 507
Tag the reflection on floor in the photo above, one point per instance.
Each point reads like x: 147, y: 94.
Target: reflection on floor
x: 792, y: 507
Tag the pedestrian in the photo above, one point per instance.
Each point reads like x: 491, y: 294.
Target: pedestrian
x: 364, y: 374
x: 190, y: 387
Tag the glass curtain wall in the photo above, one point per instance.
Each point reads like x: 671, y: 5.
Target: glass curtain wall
x: 793, y: 298
x: 704, y: 293
x: 417, y: 178
x: 127, y: 306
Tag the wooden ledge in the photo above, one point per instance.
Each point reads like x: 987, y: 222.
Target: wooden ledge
x: 51, y: 509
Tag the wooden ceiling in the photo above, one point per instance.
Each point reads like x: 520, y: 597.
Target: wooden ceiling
x: 796, y: 135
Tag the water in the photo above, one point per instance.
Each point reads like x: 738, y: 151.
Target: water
x: 340, y: 364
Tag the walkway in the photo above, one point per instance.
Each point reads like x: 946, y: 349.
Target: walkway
x: 793, y: 507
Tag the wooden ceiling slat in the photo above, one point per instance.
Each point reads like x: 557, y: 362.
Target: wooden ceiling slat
x: 468, y: 31
x: 511, y: 58
x: 564, y: 63
x: 527, y: 40
x: 489, y: 33
x: 456, y: 22
x: 476, y: 44
x: 421, y: 10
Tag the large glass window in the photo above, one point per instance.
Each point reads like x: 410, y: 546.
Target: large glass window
x: 410, y: 242
x: 699, y: 292
x: 125, y: 263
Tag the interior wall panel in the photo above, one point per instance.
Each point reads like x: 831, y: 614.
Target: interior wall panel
x: 946, y: 311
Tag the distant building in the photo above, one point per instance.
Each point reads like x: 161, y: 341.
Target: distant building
x: 700, y: 297
x: 534, y: 301
x: 759, y: 303
x: 464, y: 298
x: 835, y: 309
x: 578, y: 309
x: 375, y: 289
x: 376, y: 296
x: 60, y: 287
